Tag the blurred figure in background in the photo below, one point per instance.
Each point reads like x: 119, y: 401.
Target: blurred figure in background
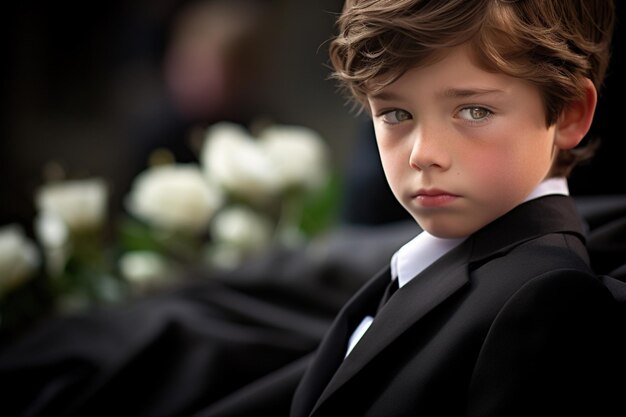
x: 214, y: 60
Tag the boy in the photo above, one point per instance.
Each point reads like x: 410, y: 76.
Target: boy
x: 479, y: 107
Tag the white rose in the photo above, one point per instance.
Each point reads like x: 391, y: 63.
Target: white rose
x: 242, y: 228
x: 233, y: 158
x: 19, y: 257
x: 54, y: 235
x: 174, y: 198
x: 81, y: 204
x: 299, y: 154
x: 51, y: 230
x: 143, y: 268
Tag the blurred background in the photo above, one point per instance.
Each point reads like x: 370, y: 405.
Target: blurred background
x: 92, y: 88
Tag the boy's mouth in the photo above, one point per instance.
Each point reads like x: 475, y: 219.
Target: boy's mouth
x: 434, y: 197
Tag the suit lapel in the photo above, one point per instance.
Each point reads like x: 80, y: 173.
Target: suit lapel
x: 330, y: 354
x: 408, y: 305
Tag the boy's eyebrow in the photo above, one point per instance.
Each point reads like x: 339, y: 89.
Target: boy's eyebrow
x: 447, y: 93
x: 463, y: 93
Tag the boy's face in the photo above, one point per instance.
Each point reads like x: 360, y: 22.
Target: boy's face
x: 461, y: 146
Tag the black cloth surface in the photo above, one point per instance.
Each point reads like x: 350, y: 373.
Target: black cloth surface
x: 230, y: 343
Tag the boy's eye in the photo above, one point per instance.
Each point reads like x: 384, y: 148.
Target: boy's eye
x: 395, y: 116
x: 474, y: 113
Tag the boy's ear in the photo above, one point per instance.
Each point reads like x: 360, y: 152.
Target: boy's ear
x: 576, y: 118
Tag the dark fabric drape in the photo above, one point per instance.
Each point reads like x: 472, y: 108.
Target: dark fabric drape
x: 229, y: 343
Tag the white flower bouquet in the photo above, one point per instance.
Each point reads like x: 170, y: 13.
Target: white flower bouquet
x: 245, y: 194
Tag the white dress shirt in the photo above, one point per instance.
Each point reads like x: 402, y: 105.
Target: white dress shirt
x: 424, y: 249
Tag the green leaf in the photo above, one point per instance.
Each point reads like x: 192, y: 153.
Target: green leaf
x: 321, y: 208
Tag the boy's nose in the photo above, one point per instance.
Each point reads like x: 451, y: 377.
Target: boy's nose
x: 428, y: 151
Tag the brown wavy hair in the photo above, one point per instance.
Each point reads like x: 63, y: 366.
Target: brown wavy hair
x: 553, y: 44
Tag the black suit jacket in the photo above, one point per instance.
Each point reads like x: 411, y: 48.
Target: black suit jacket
x: 510, y: 323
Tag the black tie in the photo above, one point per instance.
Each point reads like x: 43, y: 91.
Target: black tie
x: 392, y: 287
